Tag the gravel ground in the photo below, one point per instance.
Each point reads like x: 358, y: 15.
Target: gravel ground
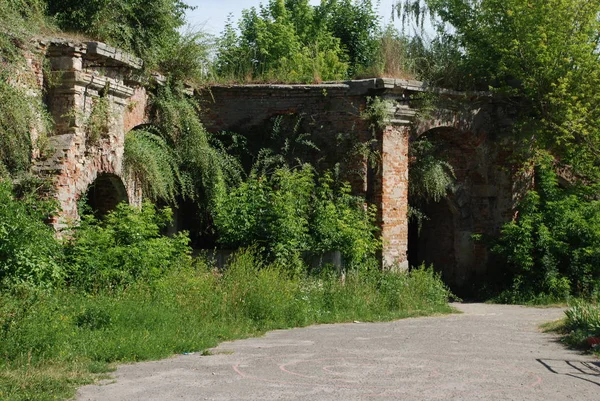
x: 489, y: 352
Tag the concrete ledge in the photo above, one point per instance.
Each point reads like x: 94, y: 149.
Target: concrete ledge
x: 114, y: 55
x: 73, y: 79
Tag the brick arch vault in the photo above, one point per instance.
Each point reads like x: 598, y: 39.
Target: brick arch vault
x: 480, y: 202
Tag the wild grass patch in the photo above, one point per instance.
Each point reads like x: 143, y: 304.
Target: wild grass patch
x: 52, y: 341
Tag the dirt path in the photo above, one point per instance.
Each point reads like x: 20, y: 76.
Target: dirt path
x: 490, y: 352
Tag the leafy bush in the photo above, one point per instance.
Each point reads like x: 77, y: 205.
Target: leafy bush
x: 124, y: 248
x: 341, y: 221
x: 289, y: 213
x: 29, y: 252
x: 552, y: 250
x: 145, y: 27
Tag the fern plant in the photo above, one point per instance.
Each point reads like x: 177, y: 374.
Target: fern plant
x: 429, y: 178
x: 152, y: 162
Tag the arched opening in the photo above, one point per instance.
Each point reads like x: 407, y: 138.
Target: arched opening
x: 437, y: 161
x: 431, y: 241
x: 105, y: 193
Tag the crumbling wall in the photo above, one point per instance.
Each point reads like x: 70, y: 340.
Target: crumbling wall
x: 467, y: 131
x: 94, y: 98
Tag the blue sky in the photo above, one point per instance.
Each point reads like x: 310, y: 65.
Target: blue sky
x: 212, y: 14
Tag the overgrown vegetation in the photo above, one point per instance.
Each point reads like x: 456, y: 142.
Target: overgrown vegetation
x: 116, y: 289
x: 582, y: 325
x: 23, y: 118
x: 552, y: 250
x: 540, y: 60
x: 125, y: 293
x: 293, y: 212
x: 29, y: 253
x: 124, y: 248
x: 149, y: 29
x: 293, y: 41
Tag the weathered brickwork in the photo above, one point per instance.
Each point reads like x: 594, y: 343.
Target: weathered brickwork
x: 393, y: 207
x: 483, y: 197
x: 79, y: 75
x: 330, y: 112
x: 482, y: 200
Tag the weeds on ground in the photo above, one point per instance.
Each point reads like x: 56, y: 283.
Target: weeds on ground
x: 583, y: 323
x: 52, y: 341
x: 579, y: 327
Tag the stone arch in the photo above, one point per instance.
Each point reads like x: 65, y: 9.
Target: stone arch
x: 105, y: 193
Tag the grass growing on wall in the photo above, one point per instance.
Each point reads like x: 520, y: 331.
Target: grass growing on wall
x: 53, y: 341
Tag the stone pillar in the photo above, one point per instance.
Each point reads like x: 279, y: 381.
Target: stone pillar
x: 392, y: 187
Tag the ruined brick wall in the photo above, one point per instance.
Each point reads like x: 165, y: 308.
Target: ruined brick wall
x: 331, y: 113
x: 80, y: 74
x: 483, y: 197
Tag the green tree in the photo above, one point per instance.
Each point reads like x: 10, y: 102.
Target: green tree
x: 540, y: 58
x: 543, y: 55
x: 356, y: 24
x: 281, y: 41
x: 146, y: 27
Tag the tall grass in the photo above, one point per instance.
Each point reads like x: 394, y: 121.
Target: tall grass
x: 55, y: 340
x: 582, y: 323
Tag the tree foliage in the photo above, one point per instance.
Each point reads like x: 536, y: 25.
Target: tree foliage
x: 294, y: 41
x: 541, y: 60
x: 146, y: 27
x: 544, y: 56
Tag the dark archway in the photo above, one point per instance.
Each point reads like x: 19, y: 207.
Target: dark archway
x: 105, y: 193
x: 433, y: 242
x: 435, y: 238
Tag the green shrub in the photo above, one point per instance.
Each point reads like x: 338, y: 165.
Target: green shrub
x: 552, y: 250
x: 144, y: 27
x: 124, y: 248
x: 341, y: 221
x: 28, y: 249
x: 289, y: 213
x: 582, y: 321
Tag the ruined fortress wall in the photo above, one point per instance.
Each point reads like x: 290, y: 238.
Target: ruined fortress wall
x: 481, y: 201
x: 79, y: 77
x: 331, y: 113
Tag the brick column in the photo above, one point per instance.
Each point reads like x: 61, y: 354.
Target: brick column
x: 392, y: 189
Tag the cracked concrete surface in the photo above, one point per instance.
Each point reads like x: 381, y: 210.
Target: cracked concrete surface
x: 489, y: 352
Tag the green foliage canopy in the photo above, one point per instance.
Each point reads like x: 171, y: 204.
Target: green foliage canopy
x: 294, y: 41
x: 145, y: 27
x: 544, y: 56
